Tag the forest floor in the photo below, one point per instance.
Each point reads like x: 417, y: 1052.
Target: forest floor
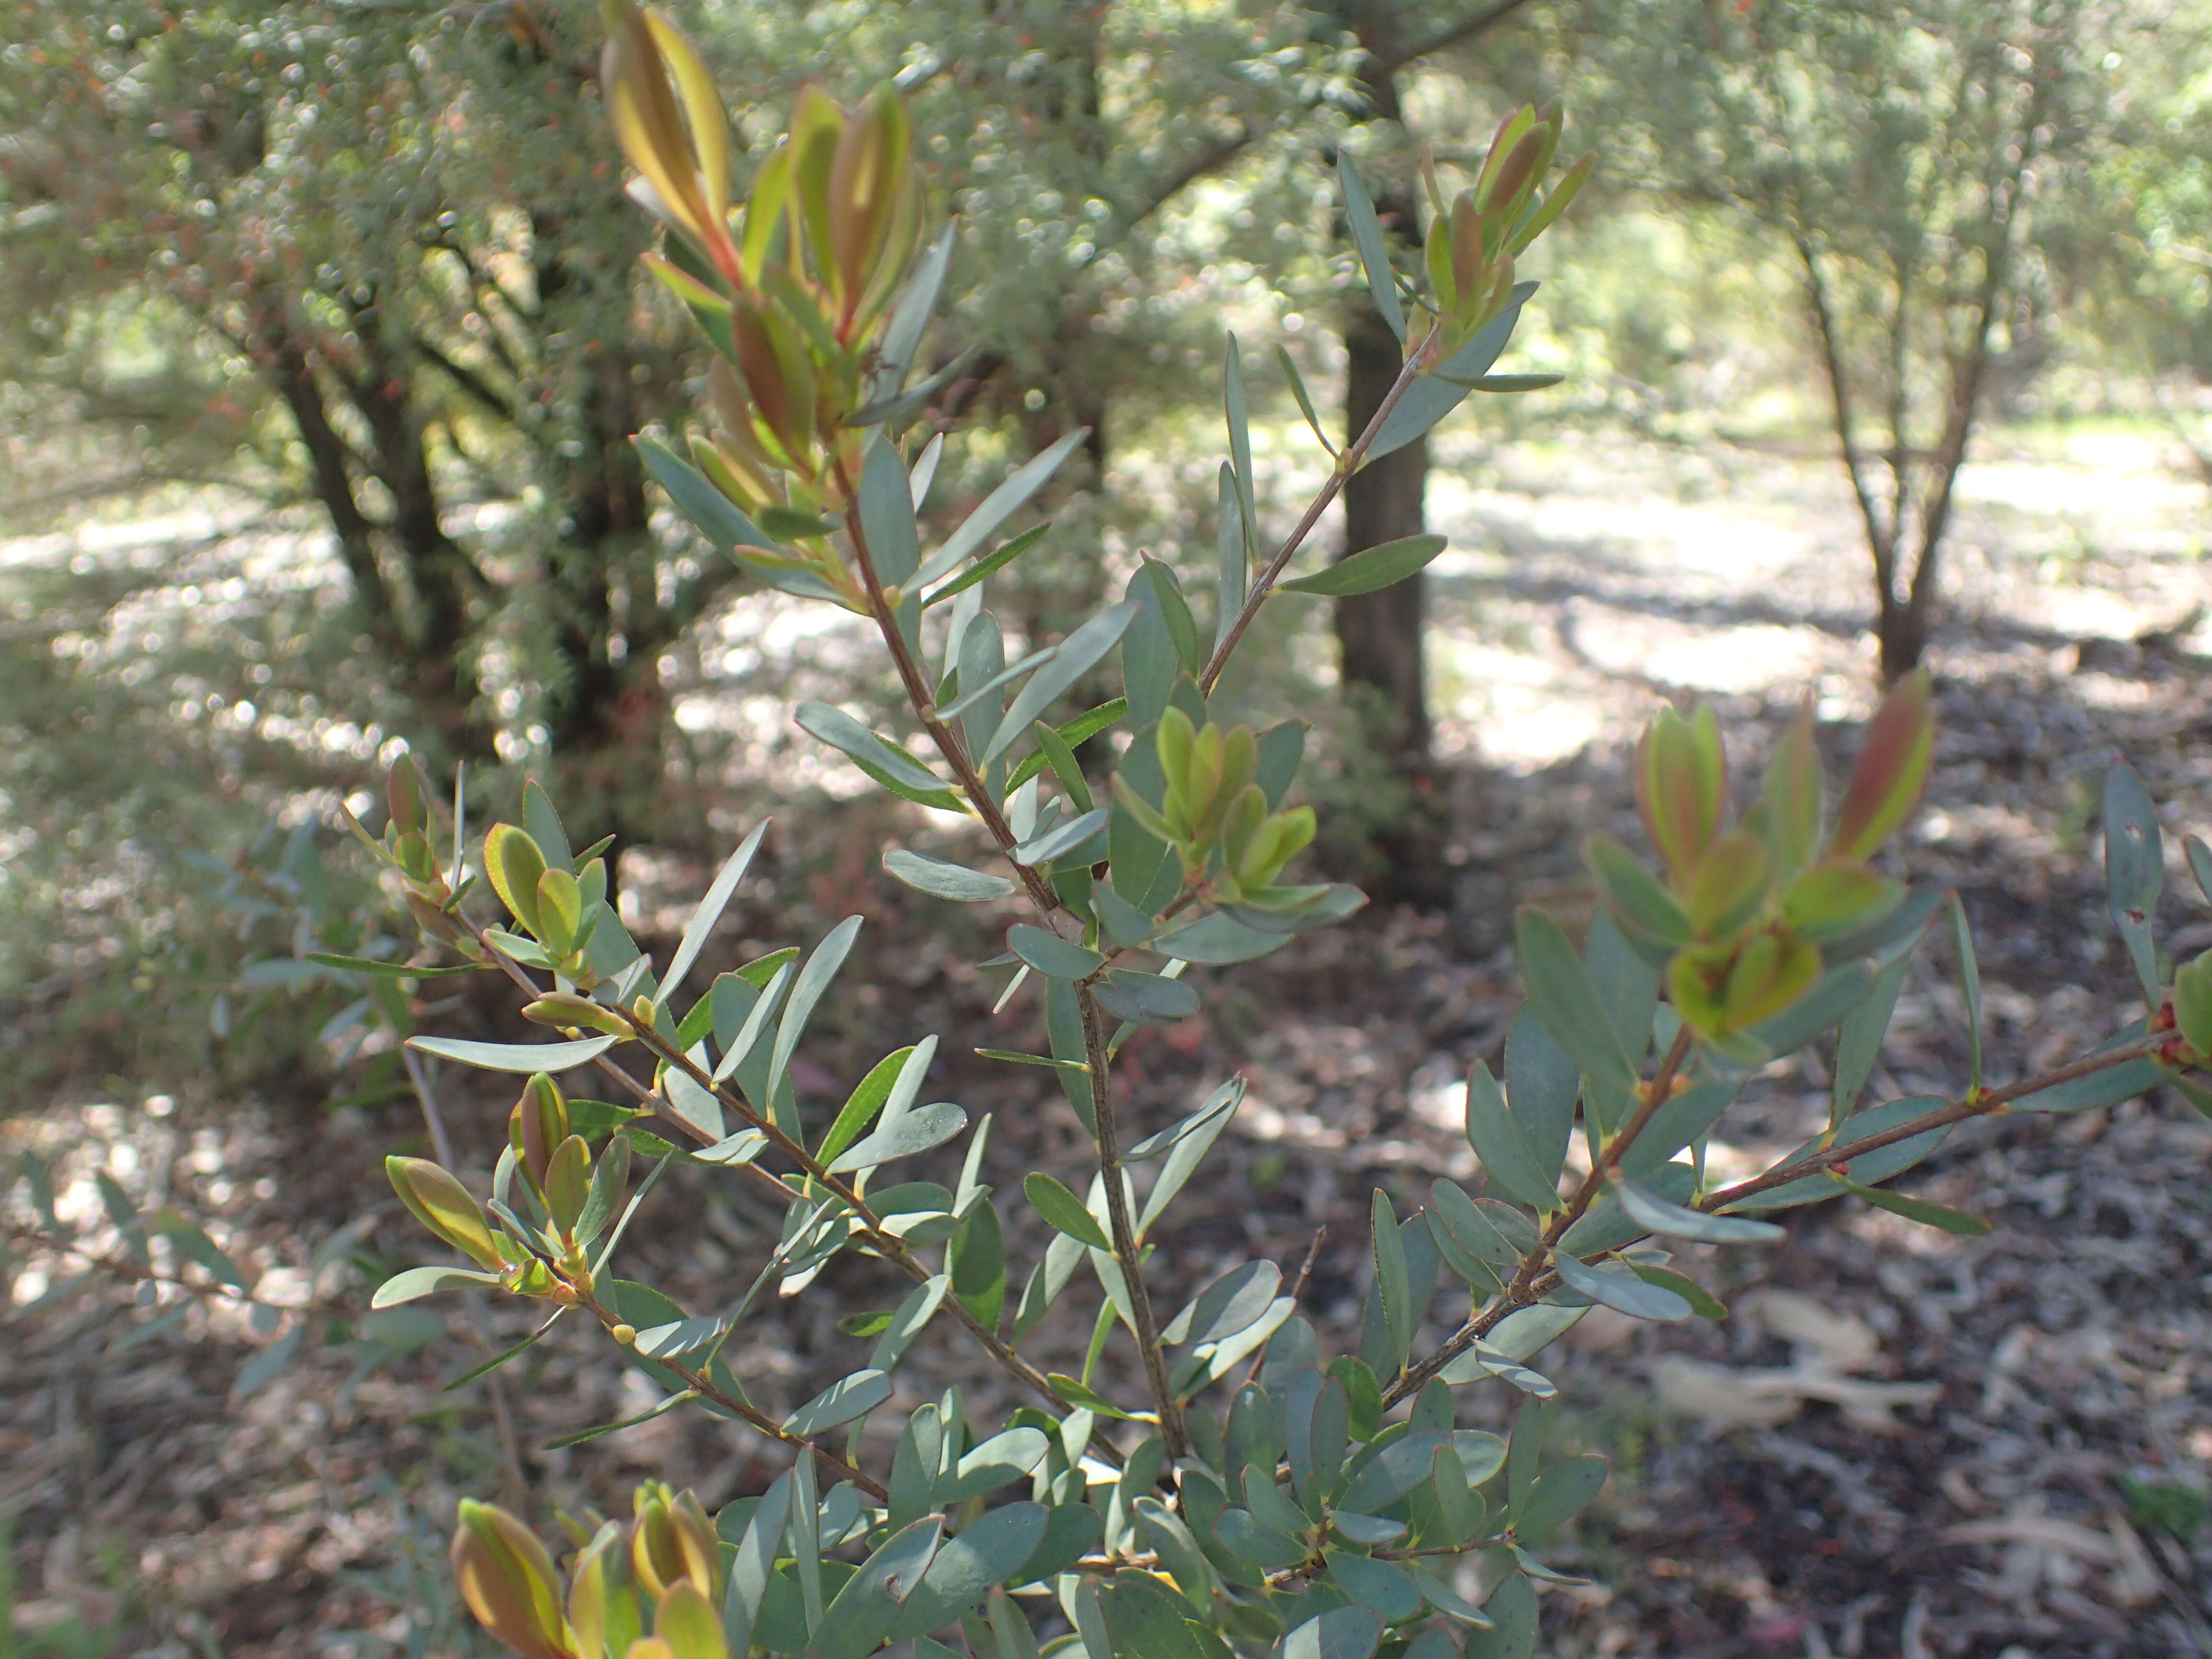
x: 1901, y: 1443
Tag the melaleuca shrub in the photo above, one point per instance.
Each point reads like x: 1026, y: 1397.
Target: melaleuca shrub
x: 1248, y: 1491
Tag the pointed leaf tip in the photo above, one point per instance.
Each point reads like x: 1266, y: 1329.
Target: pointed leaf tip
x: 1892, y: 768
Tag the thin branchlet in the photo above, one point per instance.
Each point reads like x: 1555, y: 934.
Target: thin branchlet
x: 706, y: 1388
x: 1536, y: 1276
x: 1048, y: 904
x: 872, y: 1230
x: 1353, y: 457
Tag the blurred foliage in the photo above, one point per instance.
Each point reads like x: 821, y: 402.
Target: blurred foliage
x: 287, y: 262
x: 1916, y: 165
x: 341, y: 332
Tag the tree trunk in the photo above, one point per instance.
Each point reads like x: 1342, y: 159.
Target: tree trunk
x: 1903, y: 633
x: 1379, y: 635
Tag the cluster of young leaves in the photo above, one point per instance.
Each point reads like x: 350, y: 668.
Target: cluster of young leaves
x: 1318, y: 1509
x: 1739, y: 922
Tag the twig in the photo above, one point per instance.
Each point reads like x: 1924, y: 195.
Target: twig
x: 1347, y: 463
x: 1988, y: 1101
x: 1531, y: 1282
x: 1524, y: 1289
x: 1173, y: 1436
x: 924, y: 700
x: 879, y: 1237
x: 887, y: 1244
x: 706, y: 1388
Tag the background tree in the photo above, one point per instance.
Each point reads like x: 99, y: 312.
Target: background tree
x: 1911, y: 159
x: 396, y: 252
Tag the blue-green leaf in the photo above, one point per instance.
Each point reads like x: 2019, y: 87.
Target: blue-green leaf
x: 2134, y: 870
x: 1062, y: 839
x: 1076, y: 656
x: 1051, y: 955
x: 1432, y: 397
x: 806, y: 991
x: 1145, y: 998
x: 523, y: 1057
x: 1565, y: 999
x: 1345, y: 1633
x: 998, y: 507
x: 840, y: 1403
x: 1655, y: 1214
x: 917, y: 1132
x: 878, y: 757
x: 1621, y: 1290
x: 868, y: 1607
x: 1365, y: 572
x: 1233, y: 566
x: 709, y: 913
x: 917, y: 303
x: 942, y: 880
x: 1499, y: 1143
x: 1374, y: 251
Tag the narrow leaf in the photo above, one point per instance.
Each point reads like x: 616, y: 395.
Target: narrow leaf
x: 917, y: 1132
x: 1499, y: 1143
x: 998, y: 507
x: 1297, y: 385
x: 1560, y: 991
x: 548, y: 1057
x: 1922, y: 1210
x: 1078, y: 653
x: 1064, y: 1211
x: 1621, y: 1290
x: 709, y: 913
x: 1367, y: 237
x: 1365, y: 572
x: 1051, y: 955
x: 806, y: 991
x: 2134, y: 870
x: 947, y: 881
x: 1653, y: 1214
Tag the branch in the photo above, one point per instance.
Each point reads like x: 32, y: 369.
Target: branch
x: 1966, y: 379
x: 879, y: 1238
x: 1208, y: 160
x: 924, y: 700
x: 1882, y: 540
x: 1219, y: 154
x: 1532, y: 1281
x: 1173, y: 1436
x: 1988, y: 1102
x: 701, y: 1384
x: 1452, y: 34
x: 885, y: 1244
x: 1347, y: 464
x: 1528, y: 1282
x: 467, y: 379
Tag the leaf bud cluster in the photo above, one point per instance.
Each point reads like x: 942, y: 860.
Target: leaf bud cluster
x: 573, y: 1195
x: 1474, y: 238
x: 1214, y: 814
x: 647, y: 1589
x: 405, y: 848
x: 1744, y: 908
x: 793, y: 287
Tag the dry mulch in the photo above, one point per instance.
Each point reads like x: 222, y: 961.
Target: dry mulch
x: 1902, y: 1442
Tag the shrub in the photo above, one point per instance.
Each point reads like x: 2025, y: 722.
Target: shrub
x: 1256, y: 1495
